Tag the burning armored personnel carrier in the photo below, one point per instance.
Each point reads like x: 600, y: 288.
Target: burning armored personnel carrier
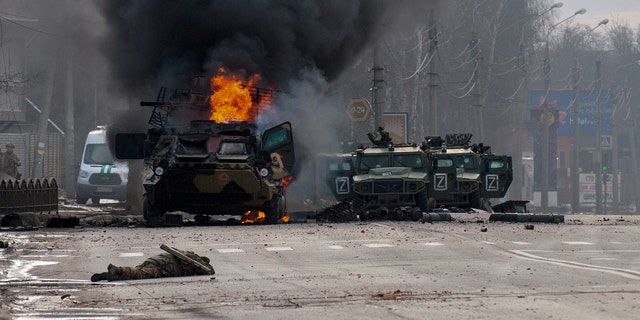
x: 209, y: 167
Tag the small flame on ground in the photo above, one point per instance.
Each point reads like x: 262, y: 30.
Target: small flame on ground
x: 285, y: 219
x: 253, y: 216
x: 232, y: 99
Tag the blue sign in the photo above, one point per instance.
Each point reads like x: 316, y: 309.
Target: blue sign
x: 587, y: 106
x: 605, y: 142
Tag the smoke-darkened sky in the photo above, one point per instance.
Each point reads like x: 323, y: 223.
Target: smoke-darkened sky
x: 152, y: 40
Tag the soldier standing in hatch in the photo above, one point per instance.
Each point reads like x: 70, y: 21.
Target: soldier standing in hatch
x: 159, y: 266
x: 11, y: 162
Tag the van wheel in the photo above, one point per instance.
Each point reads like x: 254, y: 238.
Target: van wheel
x: 81, y: 200
x: 95, y: 200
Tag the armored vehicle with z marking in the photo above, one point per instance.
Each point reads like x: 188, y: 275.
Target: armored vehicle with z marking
x: 209, y: 168
x: 406, y: 180
x: 382, y: 181
x: 464, y: 175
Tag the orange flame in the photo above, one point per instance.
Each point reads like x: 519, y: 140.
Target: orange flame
x: 285, y: 219
x: 231, y: 99
x: 287, y: 180
x: 253, y: 216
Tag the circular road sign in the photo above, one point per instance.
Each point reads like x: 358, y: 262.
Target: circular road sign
x: 359, y: 109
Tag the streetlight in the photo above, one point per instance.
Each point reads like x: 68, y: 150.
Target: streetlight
x: 519, y: 173
x: 575, y: 180
x: 546, y: 116
x: 554, y: 6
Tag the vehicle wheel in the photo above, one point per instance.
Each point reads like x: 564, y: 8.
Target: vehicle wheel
x: 431, y: 205
x: 276, y: 210
x: 95, y: 200
x: 81, y: 200
x: 416, y: 214
x: 151, y: 213
x: 422, y: 200
x: 475, y: 201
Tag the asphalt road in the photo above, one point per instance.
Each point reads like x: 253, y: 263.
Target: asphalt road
x: 585, y: 268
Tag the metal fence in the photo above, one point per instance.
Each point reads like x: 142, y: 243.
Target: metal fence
x: 39, y: 195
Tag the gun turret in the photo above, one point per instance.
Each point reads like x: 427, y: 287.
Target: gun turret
x: 380, y: 137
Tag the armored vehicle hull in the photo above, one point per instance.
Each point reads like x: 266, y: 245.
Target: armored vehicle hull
x: 221, y: 191
x: 218, y: 169
x: 384, y: 181
x: 466, y: 176
x: 210, y: 168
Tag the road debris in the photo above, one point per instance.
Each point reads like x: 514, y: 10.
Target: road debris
x: 392, y: 295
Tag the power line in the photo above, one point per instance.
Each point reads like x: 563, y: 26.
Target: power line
x: 11, y: 20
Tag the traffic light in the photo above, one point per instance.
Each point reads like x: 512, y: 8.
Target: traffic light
x: 606, y: 160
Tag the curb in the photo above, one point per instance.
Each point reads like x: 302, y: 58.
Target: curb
x: 512, y: 217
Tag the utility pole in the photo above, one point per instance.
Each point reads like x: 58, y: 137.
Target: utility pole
x: 70, y: 173
x: 43, y: 122
x: 631, y: 132
x: 615, y: 190
x: 546, y: 116
x: 377, y: 84
x: 433, y: 75
x: 575, y: 179
x: 518, y: 170
x: 598, y: 155
x: 476, y: 103
x: 418, y: 110
x: 575, y: 108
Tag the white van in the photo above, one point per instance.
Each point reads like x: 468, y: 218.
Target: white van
x: 100, y: 177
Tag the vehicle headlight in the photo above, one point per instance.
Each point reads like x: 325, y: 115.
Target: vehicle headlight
x: 158, y: 171
x: 83, y: 174
x: 264, y: 172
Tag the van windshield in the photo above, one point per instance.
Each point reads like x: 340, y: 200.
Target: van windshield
x: 97, y: 154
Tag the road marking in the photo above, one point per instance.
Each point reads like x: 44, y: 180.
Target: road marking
x: 578, y: 243
x: 335, y: 247
x: 278, y: 248
x: 489, y: 242
x: 521, y: 243
x: 604, y: 259
x: 131, y: 254
x: 433, y: 244
x: 230, y: 250
x: 378, y: 245
x: 47, y: 250
x: 626, y: 273
x: 46, y: 256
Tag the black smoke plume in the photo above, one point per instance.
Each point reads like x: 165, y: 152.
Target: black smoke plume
x: 153, y: 41
x: 297, y: 46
